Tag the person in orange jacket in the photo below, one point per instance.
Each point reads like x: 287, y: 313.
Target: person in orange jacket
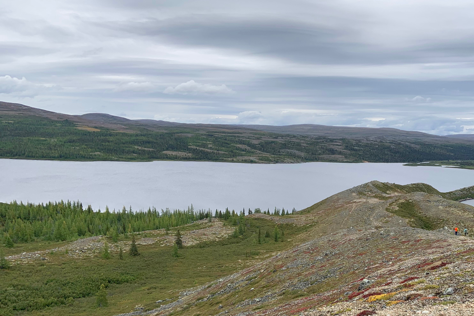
x: 456, y: 231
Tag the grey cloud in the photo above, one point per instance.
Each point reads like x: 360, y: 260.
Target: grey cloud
x: 279, y: 38
x: 19, y: 50
x: 20, y: 87
x: 338, y: 62
x: 39, y: 28
x: 295, y: 40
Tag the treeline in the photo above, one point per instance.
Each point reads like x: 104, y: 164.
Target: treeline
x: 23, y: 223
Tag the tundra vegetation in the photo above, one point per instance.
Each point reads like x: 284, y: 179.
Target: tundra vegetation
x: 319, y: 257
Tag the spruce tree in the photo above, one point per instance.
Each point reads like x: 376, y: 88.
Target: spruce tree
x: 121, y: 254
x: 133, y: 248
x: 106, y: 253
x: 8, y: 241
x: 259, y: 236
x: 101, y: 297
x: 179, y: 240
x: 175, y: 251
x: 4, y: 264
x: 275, y: 233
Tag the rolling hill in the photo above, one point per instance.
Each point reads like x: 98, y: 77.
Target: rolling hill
x: 30, y: 133
x: 375, y: 249
x: 378, y: 248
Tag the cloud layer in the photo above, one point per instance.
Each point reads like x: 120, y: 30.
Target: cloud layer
x: 194, y: 88
x: 394, y: 63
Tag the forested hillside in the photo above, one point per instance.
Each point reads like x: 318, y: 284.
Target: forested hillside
x: 27, y: 133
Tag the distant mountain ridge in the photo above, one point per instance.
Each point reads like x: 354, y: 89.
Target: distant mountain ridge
x: 31, y: 133
x: 112, y: 121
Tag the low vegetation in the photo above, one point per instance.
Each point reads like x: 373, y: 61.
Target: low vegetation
x: 69, y: 286
x: 408, y: 209
x: 343, y: 256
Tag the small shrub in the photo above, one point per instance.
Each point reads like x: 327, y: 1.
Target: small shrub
x: 101, y: 296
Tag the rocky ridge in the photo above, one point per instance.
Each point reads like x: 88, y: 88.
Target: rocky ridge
x: 377, y: 248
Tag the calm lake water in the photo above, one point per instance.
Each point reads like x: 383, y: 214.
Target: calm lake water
x: 164, y: 184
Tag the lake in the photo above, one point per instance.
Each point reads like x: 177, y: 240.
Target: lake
x: 166, y: 184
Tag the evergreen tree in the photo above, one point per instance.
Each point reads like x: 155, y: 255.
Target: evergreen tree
x: 101, y: 297
x: 175, y: 251
x: 179, y: 240
x: 259, y: 236
x: 4, y: 264
x: 133, y: 248
x: 121, y: 254
x: 241, y: 229
x: 8, y: 241
x: 106, y: 253
x: 267, y: 234
x: 275, y: 234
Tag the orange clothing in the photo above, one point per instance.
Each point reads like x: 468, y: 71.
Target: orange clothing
x: 456, y: 229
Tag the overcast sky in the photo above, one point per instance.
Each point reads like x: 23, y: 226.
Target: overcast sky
x: 392, y: 63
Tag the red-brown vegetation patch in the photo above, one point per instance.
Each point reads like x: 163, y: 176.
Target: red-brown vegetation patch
x: 413, y: 296
x: 428, y: 298
x: 366, y: 313
x: 299, y: 310
x: 387, y: 284
x: 409, y: 279
x: 466, y: 251
x: 442, y: 264
x: 424, y: 265
x: 355, y: 294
